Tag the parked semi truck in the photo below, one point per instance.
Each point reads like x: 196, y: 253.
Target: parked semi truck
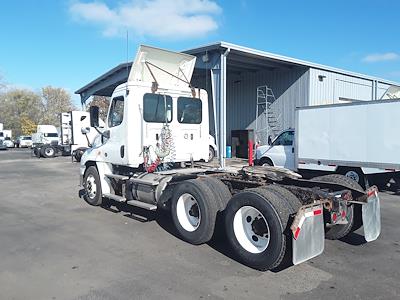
x: 358, y: 140
x: 156, y: 131
x: 74, y: 138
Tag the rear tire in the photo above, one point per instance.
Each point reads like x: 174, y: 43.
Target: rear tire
x: 92, y: 185
x: 48, y: 152
x: 255, y: 224
x: 194, y: 211
x: 356, y: 174
x: 354, y: 216
x: 265, y: 161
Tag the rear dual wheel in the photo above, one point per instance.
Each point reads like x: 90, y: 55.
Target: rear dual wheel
x: 353, y: 215
x: 194, y: 211
x: 256, y: 223
x: 47, y: 151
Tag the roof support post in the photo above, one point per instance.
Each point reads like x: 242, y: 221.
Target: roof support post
x: 222, y: 111
x: 218, y: 85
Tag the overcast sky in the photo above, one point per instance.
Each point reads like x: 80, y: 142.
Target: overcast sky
x: 69, y: 43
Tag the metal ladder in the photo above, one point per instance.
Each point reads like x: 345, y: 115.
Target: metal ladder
x: 268, y: 123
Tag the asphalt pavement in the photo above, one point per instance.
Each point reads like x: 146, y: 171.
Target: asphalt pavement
x: 53, y: 245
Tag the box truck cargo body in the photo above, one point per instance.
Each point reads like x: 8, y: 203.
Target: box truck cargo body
x: 359, y: 140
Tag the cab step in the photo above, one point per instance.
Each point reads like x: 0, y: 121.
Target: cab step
x: 115, y: 197
x: 136, y: 203
x: 143, y: 205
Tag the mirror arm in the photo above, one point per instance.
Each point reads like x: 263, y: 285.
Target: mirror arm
x: 88, y: 142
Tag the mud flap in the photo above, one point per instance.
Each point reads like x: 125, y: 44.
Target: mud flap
x: 371, y: 216
x: 308, y: 234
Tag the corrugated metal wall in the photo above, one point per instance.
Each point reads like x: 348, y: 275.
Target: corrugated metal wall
x: 334, y: 88
x: 291, y: 89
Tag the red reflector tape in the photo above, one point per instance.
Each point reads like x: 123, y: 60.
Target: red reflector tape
x: 317, y: 212
x: 371, y: 193
x: 297, y: 232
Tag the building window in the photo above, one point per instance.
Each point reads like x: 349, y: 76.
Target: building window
x: 189, y: 110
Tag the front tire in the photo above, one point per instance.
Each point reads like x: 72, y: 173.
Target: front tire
x: 92, y: 185
x: 211, y: 153
x: 255, y: 224
x: 194, y: 211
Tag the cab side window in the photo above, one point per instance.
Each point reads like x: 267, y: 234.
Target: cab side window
x: 116, y: 114
x: 285, y: 139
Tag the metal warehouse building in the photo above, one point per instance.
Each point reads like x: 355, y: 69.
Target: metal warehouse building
x: 253, y: 89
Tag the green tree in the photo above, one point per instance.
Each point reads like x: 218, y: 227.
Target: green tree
x: 55, y: 101
x: 17, y: 104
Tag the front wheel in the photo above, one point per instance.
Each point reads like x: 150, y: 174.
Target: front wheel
x: 211, y: 153
x: 92, y: 185
x: 255, y: 223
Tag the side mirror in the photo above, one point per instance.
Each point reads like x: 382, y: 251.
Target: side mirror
x: 269, y: 140
x: 85, y: 130
x: 94, y: 116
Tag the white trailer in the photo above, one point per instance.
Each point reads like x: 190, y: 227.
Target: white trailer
x: 358, y: 140
x: 156, y: 130
x: 76, y: 133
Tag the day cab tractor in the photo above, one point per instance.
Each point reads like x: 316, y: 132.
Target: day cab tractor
x: 157, y: 130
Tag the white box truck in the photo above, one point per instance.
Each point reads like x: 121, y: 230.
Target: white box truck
x: 156, y: 130
x: 359, y: 140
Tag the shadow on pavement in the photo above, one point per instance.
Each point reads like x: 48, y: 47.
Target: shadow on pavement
x: 354, y: 239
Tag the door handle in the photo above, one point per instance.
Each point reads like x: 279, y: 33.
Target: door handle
x: 292, y: 149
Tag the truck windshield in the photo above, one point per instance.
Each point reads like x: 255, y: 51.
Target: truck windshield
x: 27, y: 138
x: 51, y: 135
x: 285, y: 139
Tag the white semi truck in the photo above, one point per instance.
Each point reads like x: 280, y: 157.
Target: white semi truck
x: 74, y: 138
x: 156, y: 131
x: 359, y: 140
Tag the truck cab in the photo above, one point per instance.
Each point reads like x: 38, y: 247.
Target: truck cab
x: 155, y: 120
x: 280, y: 152
x: 45, y: 134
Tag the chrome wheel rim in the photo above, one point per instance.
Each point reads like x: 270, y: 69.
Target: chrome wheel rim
x: 188, y: 212
x: 251, y: 229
